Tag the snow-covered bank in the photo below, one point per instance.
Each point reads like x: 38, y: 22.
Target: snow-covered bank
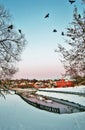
x: 70, y: 97
x: 79, y: 89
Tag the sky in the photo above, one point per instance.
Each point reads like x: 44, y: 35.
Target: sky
x: 39, y: 60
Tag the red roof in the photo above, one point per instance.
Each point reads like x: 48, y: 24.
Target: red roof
x: 62, y: 83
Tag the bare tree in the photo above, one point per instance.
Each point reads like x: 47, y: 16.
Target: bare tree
x: 74, y: 55
x: 12, y: 43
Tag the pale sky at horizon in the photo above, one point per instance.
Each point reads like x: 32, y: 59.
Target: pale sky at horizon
x: 39, y: 61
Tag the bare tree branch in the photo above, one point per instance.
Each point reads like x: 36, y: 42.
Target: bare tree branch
x: 12, y: 43
x: 74, y: 56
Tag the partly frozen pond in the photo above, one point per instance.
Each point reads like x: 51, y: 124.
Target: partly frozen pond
x: 15, y: 114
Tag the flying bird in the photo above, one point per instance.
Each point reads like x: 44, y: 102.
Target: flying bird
x: 62, y: 33
x: 71, y: 1
x: 47, y: 15
x: 19, y: 30
x: 54, y: 30
x: 79, y: 16
x: 10, y: 27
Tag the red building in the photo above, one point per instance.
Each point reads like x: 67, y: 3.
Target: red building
x: 62, y: 83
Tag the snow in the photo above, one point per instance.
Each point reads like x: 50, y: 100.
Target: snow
x: 70, y: 97
x: 80, y: 89
x: 15, y: 114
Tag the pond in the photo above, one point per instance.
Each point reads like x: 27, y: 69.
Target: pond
x: 16, y: 114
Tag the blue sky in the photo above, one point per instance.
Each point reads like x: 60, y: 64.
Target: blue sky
x: 39, y: 60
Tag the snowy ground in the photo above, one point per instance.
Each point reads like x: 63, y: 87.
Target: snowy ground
x: 77, y: 118
x: 80, y: 89
x: 70, y: 97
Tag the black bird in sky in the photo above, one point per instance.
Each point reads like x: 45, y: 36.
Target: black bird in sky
x: 71, y: 1
x: 47, y: 15
x: 79, y: 16
x: 10, y: 27
x: 19, y: 30
x: 62, y: 33
x: 54, y: 30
